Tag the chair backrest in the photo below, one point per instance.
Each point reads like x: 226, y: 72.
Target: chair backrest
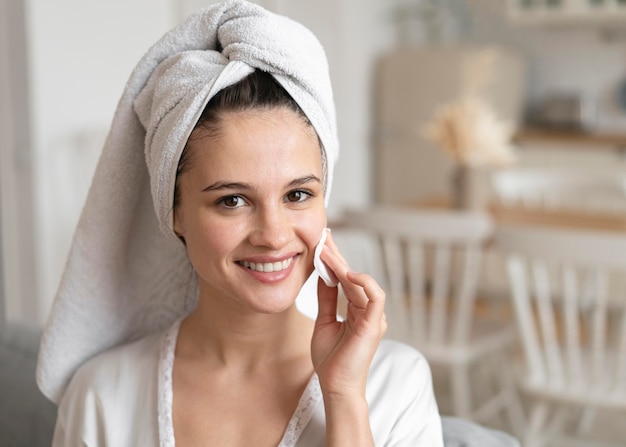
x: 431, y: 262
x: 573, y: 330
x: 560, y: 188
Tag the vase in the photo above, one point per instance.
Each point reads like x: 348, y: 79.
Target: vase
x: 467, y: 189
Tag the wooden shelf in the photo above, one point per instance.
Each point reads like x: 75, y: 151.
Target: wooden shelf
x: 578, y: 138
x: 518, y: 215
x: 567, y: 13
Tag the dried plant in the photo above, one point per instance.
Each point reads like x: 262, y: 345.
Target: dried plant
x: 469, y: 129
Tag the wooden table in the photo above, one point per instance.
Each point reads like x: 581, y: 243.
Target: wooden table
x: 546, y: 137
x: 567, y: 219
x: 518, y: 215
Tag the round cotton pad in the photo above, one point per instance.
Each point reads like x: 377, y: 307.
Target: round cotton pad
x: 322, y: 269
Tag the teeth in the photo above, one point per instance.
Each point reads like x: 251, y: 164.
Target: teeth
x: 268, y: 267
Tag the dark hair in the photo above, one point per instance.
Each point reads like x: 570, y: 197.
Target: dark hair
x: 259, y: 90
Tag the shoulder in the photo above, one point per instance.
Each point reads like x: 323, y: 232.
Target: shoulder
x: 109, y: 377
x: 398, y: 351
x: 396, y: 358
x: 123, y: 362
x: 401, y: 371
x: 403, y: 407
x: 112, y: 398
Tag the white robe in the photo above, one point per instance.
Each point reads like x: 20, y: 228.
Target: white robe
x: 123, y: 398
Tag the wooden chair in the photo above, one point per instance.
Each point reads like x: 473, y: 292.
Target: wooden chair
x: 565, y: 188
x: 573, y: 331
x: 429, y: 262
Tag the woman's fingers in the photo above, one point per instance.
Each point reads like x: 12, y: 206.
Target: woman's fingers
x: 361, y: 290
x: 375, y: 309
x: 342, y: 351
x: 326, y: 302
x: 354, y: 293
x: 331, y: 243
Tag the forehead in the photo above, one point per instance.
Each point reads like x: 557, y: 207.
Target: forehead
x: 257, y: 143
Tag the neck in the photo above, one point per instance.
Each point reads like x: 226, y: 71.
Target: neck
x: 246, y: 340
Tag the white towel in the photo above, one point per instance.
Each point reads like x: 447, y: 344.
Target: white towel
x: 127, y: 275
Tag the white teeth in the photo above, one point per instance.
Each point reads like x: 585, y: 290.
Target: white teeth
x: 268, y: 267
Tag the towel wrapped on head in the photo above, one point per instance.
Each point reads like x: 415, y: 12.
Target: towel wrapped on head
x: 127, y: 274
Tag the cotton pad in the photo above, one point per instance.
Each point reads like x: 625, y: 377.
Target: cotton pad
x: 322, y: 269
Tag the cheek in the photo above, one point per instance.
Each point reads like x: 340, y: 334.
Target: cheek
x: 311, y: 229
x: 211, y: 239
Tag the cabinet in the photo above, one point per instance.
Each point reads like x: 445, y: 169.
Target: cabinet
x: 411, y: 83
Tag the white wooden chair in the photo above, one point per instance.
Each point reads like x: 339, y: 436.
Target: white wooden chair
x: 566, y: 188
x: 573, y: 331
x: 429, y: 264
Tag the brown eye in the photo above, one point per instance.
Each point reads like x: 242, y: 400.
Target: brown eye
x: 232, y: 202
x: 297, y: 196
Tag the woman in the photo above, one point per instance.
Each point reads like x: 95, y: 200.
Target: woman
x: 192, y: 336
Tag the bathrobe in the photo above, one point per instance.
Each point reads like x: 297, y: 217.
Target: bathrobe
x: 123, y: 398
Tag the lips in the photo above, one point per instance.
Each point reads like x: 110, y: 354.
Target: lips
x: 267, y: 267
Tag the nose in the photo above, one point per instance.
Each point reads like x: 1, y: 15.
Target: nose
x: 272, y: 228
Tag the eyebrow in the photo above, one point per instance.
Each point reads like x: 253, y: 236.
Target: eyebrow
x: 226, y: 185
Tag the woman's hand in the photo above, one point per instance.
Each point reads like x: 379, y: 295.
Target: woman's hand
x: 342, y: 351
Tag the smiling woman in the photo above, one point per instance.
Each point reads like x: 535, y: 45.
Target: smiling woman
x: 176, y: 324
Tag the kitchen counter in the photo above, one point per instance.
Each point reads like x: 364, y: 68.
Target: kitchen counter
x: 608, y: 140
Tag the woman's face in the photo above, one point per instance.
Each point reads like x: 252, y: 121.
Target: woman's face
x: 252, y: 208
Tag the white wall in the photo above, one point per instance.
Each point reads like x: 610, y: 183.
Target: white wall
x: 18, y: 293
x: 81, y: 54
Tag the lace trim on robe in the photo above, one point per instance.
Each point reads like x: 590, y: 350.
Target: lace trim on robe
x: 166, y: 365
x: 298, y: 422
x: 300, y: 419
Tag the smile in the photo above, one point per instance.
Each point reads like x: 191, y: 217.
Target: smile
x: 267, y: 267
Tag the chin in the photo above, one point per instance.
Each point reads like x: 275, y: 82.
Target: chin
x: 274, y: 302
